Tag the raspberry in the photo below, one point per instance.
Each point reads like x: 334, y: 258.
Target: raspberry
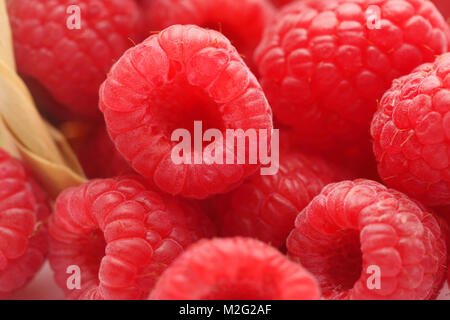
x: 354, y: 228
x: 411, y: 133
x: 121, y: 236
x: 254, y: 271
x: 100, y: 158
x: 243, y: 22
x: 72, y: 63
x: 24, y: 209
x: 265, y: 207
x: 323, y: 64
x: 184, y: 74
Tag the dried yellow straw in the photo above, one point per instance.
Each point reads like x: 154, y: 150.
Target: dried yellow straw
x: 24, y: 133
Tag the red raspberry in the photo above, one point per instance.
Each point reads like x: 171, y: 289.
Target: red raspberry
x: 265, y: 207
x: 100, y: 158
x: 323, y: 64
x: 411, y: 133
x: 121, y: 236
x: 353, y: 226
x: 24, y: 210
x: 72, y: 63
x: 243, y: 22
x: 253, y: 271
x: 184, y: 74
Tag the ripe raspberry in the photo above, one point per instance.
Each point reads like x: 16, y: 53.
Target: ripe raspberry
x: 120, y: 235
x: 24, y: 210
x: 253, y: 271
x: 72, y: 63
x: 353, y: 226
x: 243, y: 22
x: 100, y: 158
x: 184, y: 74
x: 265, y: 207
x: 323, y: 64
x: 411, y: 133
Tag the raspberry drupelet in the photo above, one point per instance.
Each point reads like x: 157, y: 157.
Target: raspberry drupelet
x: 324, y: 63
x: 411, y: 133
x: 67, y: 62
x: 235, y: 269
x: 265, y: 207
x: 182, y: 75
x: 243, y: 22
x: 121, y: 236
x: 24, y: 210
x: 357, y: 233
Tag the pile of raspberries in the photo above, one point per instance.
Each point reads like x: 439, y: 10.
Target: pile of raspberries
x: 354, y: 96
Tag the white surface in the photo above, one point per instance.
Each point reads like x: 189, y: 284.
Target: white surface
x: 445, y: 293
